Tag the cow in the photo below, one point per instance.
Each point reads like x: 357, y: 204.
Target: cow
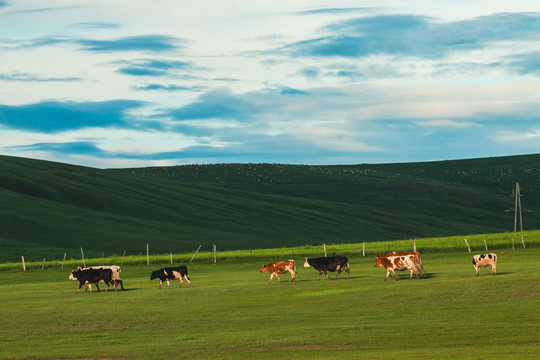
x: 171, y: 273
x: 115, y: 274
x: 417, y: 258
x: 393, y: 263
x: 324, y: 264
x: 280, y: 267
x: 485, y: 260
x: 92, y: 276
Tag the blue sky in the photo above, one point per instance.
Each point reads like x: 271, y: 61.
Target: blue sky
x: 150, y: 83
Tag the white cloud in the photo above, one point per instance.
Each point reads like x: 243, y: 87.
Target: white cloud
x: 447, y: 124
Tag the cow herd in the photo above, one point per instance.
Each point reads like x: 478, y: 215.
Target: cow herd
x: 392, y: 262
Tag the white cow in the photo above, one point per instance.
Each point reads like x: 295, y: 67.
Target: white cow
x: 485, y: 260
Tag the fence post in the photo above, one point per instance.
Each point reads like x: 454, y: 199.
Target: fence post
x: 485, y: 244
x: 215, y: 257
x: 171, y: 258
x: 468, y: 247
x: 324, y: 250
x: 414, y: 242
x: 522, y: 241
x: 147, y: 256
x: 195, y: 254
x: 513, y: 248
x: 43, y: 265
x: 63, y: 261
x: 84, y: 262
x: 363, y: 249
x: 23, y: 264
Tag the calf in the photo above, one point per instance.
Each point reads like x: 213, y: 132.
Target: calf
x: 399, y: 263
x: 485, y: 260
x: 92, y: 276
x: 280, y: 267
x: 324, y: 264
x: 417, y: 258
x: 171, y: 273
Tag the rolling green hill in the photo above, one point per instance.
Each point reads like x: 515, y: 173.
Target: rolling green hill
x: 49, y: 208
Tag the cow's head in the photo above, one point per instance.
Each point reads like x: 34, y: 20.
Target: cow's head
x: 264, y: 268
x: 377, y: 261
x: 74, y: 274
x: 155, y: 275
x: 306, y: 263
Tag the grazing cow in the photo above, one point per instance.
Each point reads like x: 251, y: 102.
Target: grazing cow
x: 324, y: 264
x: 115, y: 274
x: 485, y: 260
x: 171, y: 273
x: 92, y: 276
x: 280, y: 267
x: 417, y: 258
x: 393, y: 263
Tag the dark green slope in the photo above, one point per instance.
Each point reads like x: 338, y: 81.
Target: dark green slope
x: 47, y: 208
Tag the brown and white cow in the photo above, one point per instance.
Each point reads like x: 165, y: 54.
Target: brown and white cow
x: 399, y: 263
x: 416, y: 254
x: 485, y: 260
x: 280, y: 267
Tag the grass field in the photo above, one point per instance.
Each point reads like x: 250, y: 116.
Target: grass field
x: 232, y: 312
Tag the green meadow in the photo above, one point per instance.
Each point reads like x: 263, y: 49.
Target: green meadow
x: 232, y: 312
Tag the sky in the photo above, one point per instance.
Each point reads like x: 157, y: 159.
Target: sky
x: 117, y: 84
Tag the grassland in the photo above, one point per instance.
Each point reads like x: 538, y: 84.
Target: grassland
x: 48, y: 209
x: 231, y: 312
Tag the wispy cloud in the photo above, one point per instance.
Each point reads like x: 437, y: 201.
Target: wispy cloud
x: 97, y: 25
x: 528, y: 63
x: 151, y: 67
x: 446, y: 124
x: 54, y: 116
x: 26, y: 77
x: 149, y: 43
x: 161, y: 87
x: 415, y: 35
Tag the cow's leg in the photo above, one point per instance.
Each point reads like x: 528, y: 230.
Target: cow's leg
x: 187, y: 279
x: 278, y: 279
x: 395, y: 274
x: 347, y: 269
x: 160, y: 282
x: 181, y: 282
x: 339, y: 272
x: 410, y: 277
x: 293, y: 275
x: 80, y: 285
x: 493, y: 269
x: 168, y: 284
x: 320, y: 274
x: 387, y: 273
x: 97, y: 287
x: 477, y: 270
x: 325, y: 273
x: 121, y: 283
x: 90, y: 287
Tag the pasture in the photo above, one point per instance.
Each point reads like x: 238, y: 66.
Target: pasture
x: 232, y: 312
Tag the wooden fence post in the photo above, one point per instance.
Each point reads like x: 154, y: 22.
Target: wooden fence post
x: 324, y: 250
x: 513, y: 248
x: 363, y: 249
x: 84, y: 262
x: 215, y: 257
x: 468, y: 247
x: 147, y: 256
x: 522, y: 241
x: 23, y: 264
x: 43, y: 265
x: 63, y: 261
x: 414, y: 242
x: 485, y: 244
x: 171, y: 258
x: 195, y: 254
x: 122, y: 263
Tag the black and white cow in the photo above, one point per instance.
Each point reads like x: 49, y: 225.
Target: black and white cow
x: 324, y: 264
x: 115, y: 273
x: 92, y: 276
x: 171, y: 273
x: 485, y: 260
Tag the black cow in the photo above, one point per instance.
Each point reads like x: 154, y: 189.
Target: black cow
x: 92, y: 276
x: 324, y: 264
x: 171, y: 273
